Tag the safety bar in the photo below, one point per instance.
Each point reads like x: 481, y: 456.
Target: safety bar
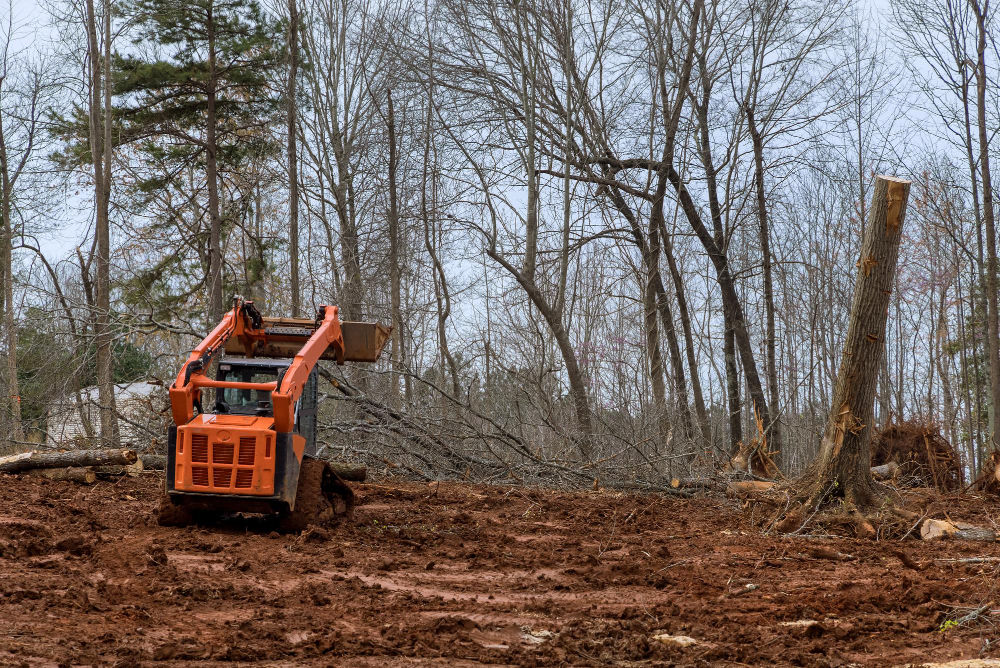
x: 202, y: 381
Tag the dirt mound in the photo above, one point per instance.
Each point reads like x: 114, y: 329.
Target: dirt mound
x: 924, y: 455
x: 462, y: 575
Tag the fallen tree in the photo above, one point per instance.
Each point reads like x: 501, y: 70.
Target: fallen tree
x: 71, y: 458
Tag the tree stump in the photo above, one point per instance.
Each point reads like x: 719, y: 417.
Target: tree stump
x: 843, y: 465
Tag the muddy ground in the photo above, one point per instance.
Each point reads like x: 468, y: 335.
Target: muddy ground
x: 459, y: 575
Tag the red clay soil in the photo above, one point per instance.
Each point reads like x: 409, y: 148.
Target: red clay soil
x: 460, y: 575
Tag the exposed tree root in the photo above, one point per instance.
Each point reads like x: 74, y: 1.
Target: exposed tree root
x: 788, y: 509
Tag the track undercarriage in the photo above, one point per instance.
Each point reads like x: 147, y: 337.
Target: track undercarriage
x: 321, y: 498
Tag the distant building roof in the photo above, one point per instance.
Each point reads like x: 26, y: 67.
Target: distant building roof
x: 139, y: 403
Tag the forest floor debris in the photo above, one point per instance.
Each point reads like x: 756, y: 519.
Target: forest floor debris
x: 456, y: 574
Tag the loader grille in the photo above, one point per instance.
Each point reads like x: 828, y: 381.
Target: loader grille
x: 244, y: 478
x: 229, y: 466
x: 222, y: 453
x: 199, y: 476
x: 248, y: 450
x: 199, y: 449
x: 222, y: 477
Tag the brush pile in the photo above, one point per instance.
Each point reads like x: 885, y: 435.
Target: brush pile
x: 924, y: 455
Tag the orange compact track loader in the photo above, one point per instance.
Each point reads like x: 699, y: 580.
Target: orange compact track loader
x: 255, y: 450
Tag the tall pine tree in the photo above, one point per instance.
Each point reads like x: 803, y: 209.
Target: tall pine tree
x: 197, y: 89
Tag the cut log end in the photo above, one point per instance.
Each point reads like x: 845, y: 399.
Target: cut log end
x: 942, y: 530
x: 349, y: 472
x: 893, y: 179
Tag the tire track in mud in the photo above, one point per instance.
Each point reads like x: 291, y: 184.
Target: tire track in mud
x: 454, y: 574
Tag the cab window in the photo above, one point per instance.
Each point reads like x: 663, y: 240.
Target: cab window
x: 245, y: 401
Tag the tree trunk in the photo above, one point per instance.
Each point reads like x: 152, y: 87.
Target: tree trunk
x: 992, y: 316
x: 842, y: 466
x: 685, y: 316
x: 651, y: 260
x: 350, y: 252
x: 733, y: 401
x: 398, y: 360
x: 718, y: 238
x: 102, y: 325
x: 293, y: 167
x: 349, y: 472
x: 16, y: 431
x: 944, y: 370
x: 153, y: 462
x: 430, y: 214
x: 676, y: 363
x: 55, y: 460
x: 773, y: 430
x: 215, y: 307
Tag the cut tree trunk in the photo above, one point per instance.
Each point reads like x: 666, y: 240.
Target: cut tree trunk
x: 349, y: 472
x: 941, y: 530
x: 843, y: 466
x: 54, y: 460
x: 886, y: 471
x: 115, y: 470
x: 153, y: 462
x: 79, y: 474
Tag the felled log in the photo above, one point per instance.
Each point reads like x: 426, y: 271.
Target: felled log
x: 153, y: 462
x: 349, y: 472
x: 969, y: 532
x: 114, y: 470
x: 748, y: 487
x: 71, y: 458
x: 78, y: 474
x: 703, y: 483
x: 940, y: 530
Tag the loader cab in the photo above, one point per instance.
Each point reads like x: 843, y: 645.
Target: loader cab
x: 258, y: 402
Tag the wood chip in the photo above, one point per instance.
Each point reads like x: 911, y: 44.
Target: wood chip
x: 676, y: 641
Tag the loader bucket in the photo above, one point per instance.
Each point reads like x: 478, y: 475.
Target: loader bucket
x: 364, y: 341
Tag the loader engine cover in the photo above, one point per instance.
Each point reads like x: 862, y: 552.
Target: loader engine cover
x: 228, y: 454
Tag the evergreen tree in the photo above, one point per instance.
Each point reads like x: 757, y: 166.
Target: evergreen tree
x: 198, y: 91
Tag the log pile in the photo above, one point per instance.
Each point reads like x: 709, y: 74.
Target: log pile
x: 87, y: 466
x: 79, y: 466
x: 922, y: 453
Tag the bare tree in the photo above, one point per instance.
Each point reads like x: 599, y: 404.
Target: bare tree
x: 100, y: 150
x: 293, y: 168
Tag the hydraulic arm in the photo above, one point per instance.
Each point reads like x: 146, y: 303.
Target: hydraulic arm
x: 245, y: 323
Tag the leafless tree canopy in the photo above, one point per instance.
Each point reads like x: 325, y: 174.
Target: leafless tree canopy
x: 615, y: 240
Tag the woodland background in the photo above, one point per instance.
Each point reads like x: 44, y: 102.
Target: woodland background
x: 615, y: 239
